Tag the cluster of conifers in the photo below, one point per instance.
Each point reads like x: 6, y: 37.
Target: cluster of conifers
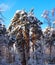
x: 24, y: 42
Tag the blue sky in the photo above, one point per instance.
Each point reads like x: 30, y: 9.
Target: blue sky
x: 11, y: 6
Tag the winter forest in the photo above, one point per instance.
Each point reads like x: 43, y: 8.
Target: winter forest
x: 24, y: 42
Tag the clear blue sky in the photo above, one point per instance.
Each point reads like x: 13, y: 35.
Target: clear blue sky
x: 11, y: 6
